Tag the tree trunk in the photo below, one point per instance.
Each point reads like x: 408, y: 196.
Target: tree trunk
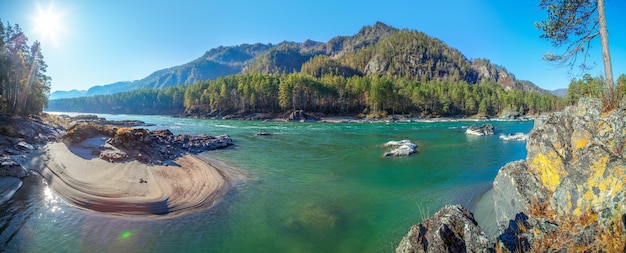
x: 606, y: 55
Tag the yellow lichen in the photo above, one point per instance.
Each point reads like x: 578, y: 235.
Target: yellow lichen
x: 588, y: 195
x: 549, y: 169
x: 569, y: 201
x: 606, y: 186
x: 580, y: 140
x: 577, y: 211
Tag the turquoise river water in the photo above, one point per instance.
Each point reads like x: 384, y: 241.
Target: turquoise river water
x: 313, y: 187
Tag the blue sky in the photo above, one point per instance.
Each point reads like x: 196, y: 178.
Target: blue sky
x: 101, y: 42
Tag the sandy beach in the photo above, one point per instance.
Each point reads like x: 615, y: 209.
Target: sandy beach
x: 193, y: 183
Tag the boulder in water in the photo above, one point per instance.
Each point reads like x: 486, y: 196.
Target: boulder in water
x: 402, y: 148
x: 486, y: 129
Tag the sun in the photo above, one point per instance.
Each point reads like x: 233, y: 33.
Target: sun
x: 48, y: 23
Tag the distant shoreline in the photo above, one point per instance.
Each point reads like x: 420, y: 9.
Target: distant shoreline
x: 338, y: 119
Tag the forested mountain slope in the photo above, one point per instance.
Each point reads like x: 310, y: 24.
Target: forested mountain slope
x: 378, y: 50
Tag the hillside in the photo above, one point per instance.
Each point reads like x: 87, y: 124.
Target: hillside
x: 378, y: 50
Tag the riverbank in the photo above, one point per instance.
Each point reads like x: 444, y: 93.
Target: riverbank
x: 106, y: 166
x: 305, y: 117
x: 193, y: 183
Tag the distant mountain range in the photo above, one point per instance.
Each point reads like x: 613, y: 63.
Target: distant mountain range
x: 559, y: 92
x: 374, y: 51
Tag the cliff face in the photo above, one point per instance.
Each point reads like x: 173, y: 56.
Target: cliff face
x: 569, y: 193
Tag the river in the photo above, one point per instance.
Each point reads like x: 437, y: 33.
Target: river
x: 313, y: 187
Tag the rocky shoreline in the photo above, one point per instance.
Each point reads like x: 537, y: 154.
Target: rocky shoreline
x: 302, y: 116
x: 567, y: 195
x: 64, y: 148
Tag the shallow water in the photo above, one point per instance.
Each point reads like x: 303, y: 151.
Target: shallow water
x: 314, y: 187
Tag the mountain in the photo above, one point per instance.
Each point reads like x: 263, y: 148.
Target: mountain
x: 67, y: 94
x: 559, y: 92
x: 378, y: 50
x: 220, y: 61
x: 381, y: 50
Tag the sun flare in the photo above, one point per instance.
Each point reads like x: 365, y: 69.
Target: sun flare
x: 48, y: 23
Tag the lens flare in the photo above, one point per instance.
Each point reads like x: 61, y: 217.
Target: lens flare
x: 126, y: 234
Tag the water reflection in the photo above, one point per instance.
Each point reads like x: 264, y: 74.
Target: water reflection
x: 51, y: 200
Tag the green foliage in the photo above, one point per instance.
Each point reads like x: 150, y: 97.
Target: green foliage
x: 594, y: 87
x: 281, y: 59
x: 570, y: 23
x: 412, y: 54
x: 621, y: 86
x: 24, y: 87
x: 322, y: 65
x: 331, y: 94
x: 574, y: 24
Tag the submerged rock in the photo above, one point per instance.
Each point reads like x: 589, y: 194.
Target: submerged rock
x: 8, y: 187
x: 486, y: 129
x: 452, y: 229
x: 402, y: 148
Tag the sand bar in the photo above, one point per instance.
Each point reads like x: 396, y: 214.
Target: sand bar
x: 195, y: 183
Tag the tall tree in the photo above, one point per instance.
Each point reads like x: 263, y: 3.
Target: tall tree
x: 574, y: 24
x: 24, y: 86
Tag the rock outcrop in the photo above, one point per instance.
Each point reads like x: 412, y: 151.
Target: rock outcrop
x: 401, y: 148
x: 159, y: 145
x: 20, y: 140
x: 569, y: 194
x: 19, y: 137
x: 452, y: 229
x: 146, y: 146
x: 574, y: 177
x: 301, y: 116
x: 486, y: 129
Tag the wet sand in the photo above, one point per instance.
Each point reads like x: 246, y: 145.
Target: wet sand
x: 193, y: 183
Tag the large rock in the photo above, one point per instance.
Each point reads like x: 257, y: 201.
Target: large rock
x: 513, y: 191
x: 573, y: 178
x: 578, y: 157
x: 567, y: 195
x: 159, y: 145
x: 143, y: 145
x: 486, y: 129
x: 452, y: 229
x: 400, y: 148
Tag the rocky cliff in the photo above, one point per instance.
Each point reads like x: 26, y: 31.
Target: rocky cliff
x: 568, y: 194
